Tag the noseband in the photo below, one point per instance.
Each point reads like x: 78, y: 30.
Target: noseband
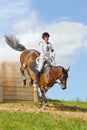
x: 59, y: 82
x: 61, y: 77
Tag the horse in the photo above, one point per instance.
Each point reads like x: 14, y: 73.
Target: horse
x: 49, y: 76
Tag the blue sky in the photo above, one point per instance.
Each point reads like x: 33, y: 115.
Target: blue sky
x: 66, y: 21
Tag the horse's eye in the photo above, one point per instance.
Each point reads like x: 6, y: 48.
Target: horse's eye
x: 61, y: 77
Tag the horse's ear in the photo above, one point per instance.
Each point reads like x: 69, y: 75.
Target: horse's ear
x: 68, y: 69
x: 63, y: 69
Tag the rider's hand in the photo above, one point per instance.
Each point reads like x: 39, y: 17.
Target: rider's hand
x: 46, y: 57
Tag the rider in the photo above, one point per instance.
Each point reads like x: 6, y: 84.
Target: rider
x: 47, y: 52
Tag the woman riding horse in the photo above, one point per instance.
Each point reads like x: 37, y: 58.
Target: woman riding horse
x: 47, y: 54
x: 49, y: 75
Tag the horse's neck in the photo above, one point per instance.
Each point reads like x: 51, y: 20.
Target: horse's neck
x: 56, y: 71
x: 53, y: 72
x: 49, y: 76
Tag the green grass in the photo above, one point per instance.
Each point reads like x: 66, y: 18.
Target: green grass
x: 69, y: 105
x: 58, y: 104
x: 39, y: 121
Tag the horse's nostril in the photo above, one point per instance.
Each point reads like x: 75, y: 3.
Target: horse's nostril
x: 63, y: 88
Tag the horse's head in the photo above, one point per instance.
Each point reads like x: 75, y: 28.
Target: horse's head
x: 63, y: 77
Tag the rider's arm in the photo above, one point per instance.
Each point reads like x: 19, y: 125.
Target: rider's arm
x: 42, y: 50
x: 52, y: 52
x: 53, y: 55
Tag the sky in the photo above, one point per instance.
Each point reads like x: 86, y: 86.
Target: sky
x: 66, y: 21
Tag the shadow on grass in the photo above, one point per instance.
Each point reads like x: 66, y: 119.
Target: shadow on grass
x: 62, y: 105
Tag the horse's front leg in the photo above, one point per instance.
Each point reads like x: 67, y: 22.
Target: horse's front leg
x: 43, y: 98
x: 23, y: 76
x: 40, y: 102
x: 46, y: 102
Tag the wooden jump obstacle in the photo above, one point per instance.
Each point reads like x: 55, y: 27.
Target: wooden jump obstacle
x: 11, y: 88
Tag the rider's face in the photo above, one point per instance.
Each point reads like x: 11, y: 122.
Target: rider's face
x: 46, y: 38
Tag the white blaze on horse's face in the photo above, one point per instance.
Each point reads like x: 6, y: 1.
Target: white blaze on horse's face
x: 63, y: 85
x: 63, y: 78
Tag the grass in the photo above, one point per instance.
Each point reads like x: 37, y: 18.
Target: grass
x: 69, y: 105
x: 39, y: 120
x: 58, y: 104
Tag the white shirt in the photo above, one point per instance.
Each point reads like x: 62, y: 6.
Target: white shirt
x: 45, y: 48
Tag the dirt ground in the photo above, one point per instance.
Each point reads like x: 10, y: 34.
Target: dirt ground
x: 13, y: 107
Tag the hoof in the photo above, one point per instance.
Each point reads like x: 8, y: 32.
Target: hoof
x: 46, y: 106
x: 30, y: 82
x: 39, y: 106
x: 24, y: 82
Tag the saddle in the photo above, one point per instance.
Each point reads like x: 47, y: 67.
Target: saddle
x: 34, y: 67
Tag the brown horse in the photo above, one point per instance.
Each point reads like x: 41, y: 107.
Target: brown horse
x: 48, y: 77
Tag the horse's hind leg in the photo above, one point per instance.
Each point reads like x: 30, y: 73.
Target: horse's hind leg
x: 30, y: 79
x: 23, y: 75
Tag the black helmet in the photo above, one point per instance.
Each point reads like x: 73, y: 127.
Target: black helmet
x: 45, y: 34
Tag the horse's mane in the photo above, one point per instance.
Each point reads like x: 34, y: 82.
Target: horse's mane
x: 52, y: 67
x: 57, y: 66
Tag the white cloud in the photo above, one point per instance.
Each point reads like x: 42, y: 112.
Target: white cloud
x: 30, y: 24
x: 68, y: 38
x: 9, y: 8
x: 11, y: 11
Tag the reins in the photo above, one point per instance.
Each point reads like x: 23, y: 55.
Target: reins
x: 57, y: 82
x: 55, y: 79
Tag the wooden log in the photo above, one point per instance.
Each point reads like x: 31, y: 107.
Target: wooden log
x: 35, y: 93
x: 11, y: 80
x: 1, y: 93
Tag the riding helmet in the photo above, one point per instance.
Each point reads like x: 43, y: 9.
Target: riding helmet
x: 45, y: 34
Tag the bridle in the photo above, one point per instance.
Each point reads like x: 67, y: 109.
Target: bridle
x: 60, y: 78
x: 61, y: 82
x: 56, y: 80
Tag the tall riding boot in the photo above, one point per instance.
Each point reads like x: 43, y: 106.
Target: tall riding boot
x: 37, y: 76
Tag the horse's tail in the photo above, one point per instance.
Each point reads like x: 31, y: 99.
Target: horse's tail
x: 14, y: 43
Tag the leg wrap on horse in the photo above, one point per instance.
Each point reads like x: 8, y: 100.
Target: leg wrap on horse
x: 40, y: 102
x: 45, y: 100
